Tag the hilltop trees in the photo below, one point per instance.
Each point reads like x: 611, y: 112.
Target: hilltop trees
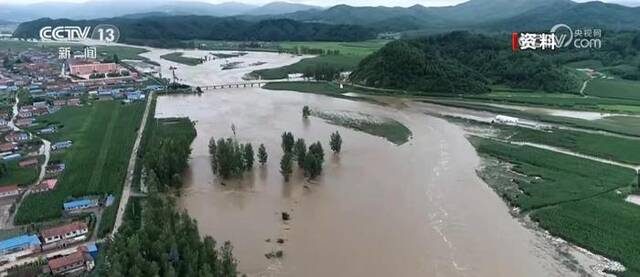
x: 262, y: 154
x: 336, y: 142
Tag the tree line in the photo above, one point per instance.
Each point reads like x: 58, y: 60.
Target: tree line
x: 230, y: 159
x: 310, y: 159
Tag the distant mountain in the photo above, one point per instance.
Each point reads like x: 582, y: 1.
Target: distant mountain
x: 113, y: 8
x: 281, y: 8
x: 489, y: 10
x: 189, y: 27
x: 588, y: 15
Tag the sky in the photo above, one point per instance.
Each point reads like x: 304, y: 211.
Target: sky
x: 404, y: 3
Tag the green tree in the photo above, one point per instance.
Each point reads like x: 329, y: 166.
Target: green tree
x: 212, y: 154
x: 287, y: 142
x: 316, y: 149
x: 312, y: 165
x: 262, y: 154
x: 306, y: 112
x: 300, y: 150
x: 336, y: 142
x: 248, y: 156
x: 286, y: 167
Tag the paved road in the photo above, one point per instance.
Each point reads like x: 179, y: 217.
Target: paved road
x: 126, y: 190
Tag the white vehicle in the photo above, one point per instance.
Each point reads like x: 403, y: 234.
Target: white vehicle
x: 508, y: 120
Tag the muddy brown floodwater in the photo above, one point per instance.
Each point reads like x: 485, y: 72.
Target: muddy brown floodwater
x: 377, y: 210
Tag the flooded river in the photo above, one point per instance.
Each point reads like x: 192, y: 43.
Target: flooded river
x: 377, y: 210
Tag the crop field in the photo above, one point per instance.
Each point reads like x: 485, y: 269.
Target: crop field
x: 16, y: 175
x: 579, y: 200
x: 607, y: 147
x: 622, y: 89
x: 350, y: 54
x: 178, y: 58
x: 103, y: 134
x: 560, y: 101
x: 562, y: 178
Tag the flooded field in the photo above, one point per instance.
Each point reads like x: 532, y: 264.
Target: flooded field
x: 211, y: 71
x: 377, y: 210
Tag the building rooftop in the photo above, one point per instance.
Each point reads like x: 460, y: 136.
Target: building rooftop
x: 18, y: 241
x: 8, y: 188
x: 76, y: 257
x: 77, y: 203
x: 64, y: 229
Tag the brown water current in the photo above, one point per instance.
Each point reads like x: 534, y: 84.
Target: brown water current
x: 377, y: 210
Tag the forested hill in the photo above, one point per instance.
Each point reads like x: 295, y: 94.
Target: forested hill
x: 460, y: 62
x: 169, y: 28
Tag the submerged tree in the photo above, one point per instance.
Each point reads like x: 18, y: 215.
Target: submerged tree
x: 248, y: 156
x: 212, y: 154
x: 286, y: 167
x: 287, y: 142
x: 306, y: 112
x: 336, y: 142
x: 300, y: 150
x: 262, y: 154
x: 316, y: 149
x: 313, y: 160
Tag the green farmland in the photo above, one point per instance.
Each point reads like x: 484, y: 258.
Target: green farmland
x: 103, y: 134
x: 615, y: 88
x: 348, y: 56
x: 579, y: 200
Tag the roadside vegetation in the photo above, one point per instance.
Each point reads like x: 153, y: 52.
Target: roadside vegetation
x: 155, y: 239
x: 167, y: 150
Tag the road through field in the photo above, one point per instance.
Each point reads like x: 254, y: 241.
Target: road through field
x: 126, y: 188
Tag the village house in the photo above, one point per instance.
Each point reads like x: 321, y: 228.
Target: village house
x: 8, y: 191
x: 20, y: 246
x: 16, y: 137
x: 61, y: 145
x: 73, y: 102
x: 55, y: 168
x: 11, y: 157
x: 80, y: 204
x: 59, y: 103
x: 24, y: 122
x: 74, y: 263
x: 45, y: 185
x: 46, y: 131
x: 8, y: 147
x: 28, y: 162
x: 65, y: 234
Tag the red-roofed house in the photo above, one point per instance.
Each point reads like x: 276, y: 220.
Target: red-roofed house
x: 77, y: 262
x: 7, y: 191
x: 45, y: 185
x: 63, y: 233
x: 28, y: 163
x: 7, y: 147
